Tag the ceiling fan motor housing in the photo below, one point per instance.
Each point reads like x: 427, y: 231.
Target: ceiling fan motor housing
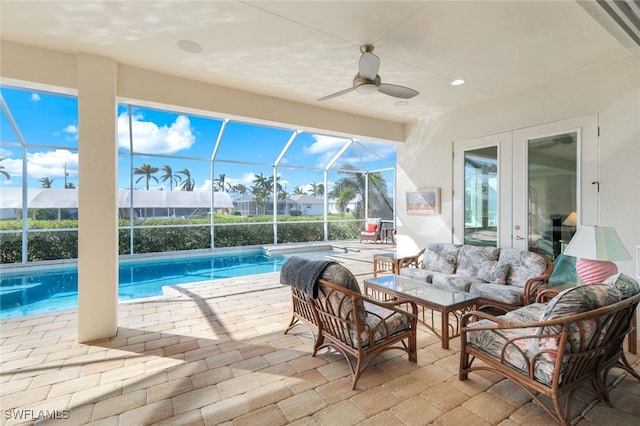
x: 364, y: 85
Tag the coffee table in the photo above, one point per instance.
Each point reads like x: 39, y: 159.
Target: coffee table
x: 450, y: 304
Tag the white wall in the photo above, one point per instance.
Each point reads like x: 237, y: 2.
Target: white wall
x: 611, y: 90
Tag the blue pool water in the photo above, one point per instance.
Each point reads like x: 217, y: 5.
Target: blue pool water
x: 41, y: 290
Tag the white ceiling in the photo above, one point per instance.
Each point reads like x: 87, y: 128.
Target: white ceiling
x: 303, y: 50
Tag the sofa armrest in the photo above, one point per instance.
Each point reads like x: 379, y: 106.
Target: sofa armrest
x: 532, y: 284
x: 414, y: 261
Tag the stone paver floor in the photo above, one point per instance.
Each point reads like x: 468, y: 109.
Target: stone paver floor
x: 215, y: 353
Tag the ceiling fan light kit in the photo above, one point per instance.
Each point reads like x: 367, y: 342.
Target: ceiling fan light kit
x: 368, y: 81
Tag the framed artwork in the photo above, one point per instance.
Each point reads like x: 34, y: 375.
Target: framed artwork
x: 424, y: 201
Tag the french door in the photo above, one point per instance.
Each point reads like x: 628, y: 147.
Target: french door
x: 528, y: 188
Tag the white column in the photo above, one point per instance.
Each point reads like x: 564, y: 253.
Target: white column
x: 97, y: 198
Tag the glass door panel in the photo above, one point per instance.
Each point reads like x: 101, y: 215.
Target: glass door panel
x: 552, y: 185
x: 481, y: 196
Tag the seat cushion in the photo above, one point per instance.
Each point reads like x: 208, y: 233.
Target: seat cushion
x: 380, y: 323
x: 471, y: 257
x: 519, y: 352
x: 441, y: 257
x: 501, y: 293
x: 454, y: 282
x: 417, y: 274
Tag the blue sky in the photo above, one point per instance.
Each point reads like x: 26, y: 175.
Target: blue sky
x: 49, y: 122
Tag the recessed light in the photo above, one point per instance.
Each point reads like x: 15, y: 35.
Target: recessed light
x: 189, y: 46
x: 457, y: 82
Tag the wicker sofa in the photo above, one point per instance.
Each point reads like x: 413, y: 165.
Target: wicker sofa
x: 552, y: 349
x: 503, y: 278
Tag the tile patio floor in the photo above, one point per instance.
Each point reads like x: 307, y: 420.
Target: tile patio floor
x: 215, y: 353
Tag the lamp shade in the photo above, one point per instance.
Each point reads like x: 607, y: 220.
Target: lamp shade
x: 597, y: 243
x: 571, y: 220
x: 596, y: 247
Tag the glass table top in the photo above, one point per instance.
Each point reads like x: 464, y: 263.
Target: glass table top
x: 420, y: 290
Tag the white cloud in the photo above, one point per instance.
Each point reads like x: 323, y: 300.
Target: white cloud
x: 35, y: 97
x: 327, y: 146
x: 149, y: 137
x: 72, y: 131
x: 49, y: 164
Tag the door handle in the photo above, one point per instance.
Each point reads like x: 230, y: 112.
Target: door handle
x: 518, y: 237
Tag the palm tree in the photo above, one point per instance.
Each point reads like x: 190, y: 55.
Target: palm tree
x: 3, y: 172
x: 45, y: 182
x: 170, y: 176
x: 317, y: 189
x: 353, y: 186
x: 298, y: 190
x: 147, y: 171
x: 188, y: 184
x: 239, y: 189
x: 220, y: 184
x: 260, y: 182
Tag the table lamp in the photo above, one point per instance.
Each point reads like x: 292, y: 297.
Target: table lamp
x: 596, y: 247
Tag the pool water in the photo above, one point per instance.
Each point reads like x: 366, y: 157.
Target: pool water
x: 41, y: 290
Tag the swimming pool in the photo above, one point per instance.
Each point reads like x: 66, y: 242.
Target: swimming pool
x: 39, y: 290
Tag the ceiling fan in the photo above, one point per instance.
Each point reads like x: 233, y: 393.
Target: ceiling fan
x: 368, y: 81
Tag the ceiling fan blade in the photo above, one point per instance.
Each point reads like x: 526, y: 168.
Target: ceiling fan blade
x: 397, y: 91
x: 335, y: 95
x: 369, y: 66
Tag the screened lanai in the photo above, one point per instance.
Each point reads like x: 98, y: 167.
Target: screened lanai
x: 222, y: 182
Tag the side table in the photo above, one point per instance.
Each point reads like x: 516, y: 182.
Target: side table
x: 386, y: 263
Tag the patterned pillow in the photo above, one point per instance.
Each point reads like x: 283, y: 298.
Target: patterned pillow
x: 470, y: 257
x: 493, y: 271
x: 627, y: 285
x: 441, y: 257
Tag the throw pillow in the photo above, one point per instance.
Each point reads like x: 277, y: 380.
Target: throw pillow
x: 371, y: 227
x: 627, y: 285
x: 493, y: 271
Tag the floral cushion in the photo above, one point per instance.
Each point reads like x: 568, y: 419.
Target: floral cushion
x: 342, y: 276
x: 502, y: 293
x: 454, y: 282
x: 441, y: 257
x: 470, y: 257
x: 493, y: 271
x: 518, y: 353
x: 524, y: 265
x: 573, y: 301
x: 624, y: 283
x: 417, y: 274
x: 379, y: 324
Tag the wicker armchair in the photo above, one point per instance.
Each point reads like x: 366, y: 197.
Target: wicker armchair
x: 362, y: 328
x: 372, y: 230
x: 556, y: 356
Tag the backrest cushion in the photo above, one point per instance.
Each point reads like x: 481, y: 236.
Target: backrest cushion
x: 573, y: 300
x: 470, y: 258
x: 441, y: 257
x: 343, y: 277
x: 372, y: 227
x: 579, y: 299
x: 524, y: 265
x: 624, y: 283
